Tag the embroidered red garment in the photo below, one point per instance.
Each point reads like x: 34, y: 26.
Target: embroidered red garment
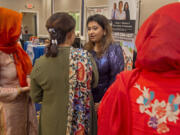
x: 146, y: 100
x: 10, y: 29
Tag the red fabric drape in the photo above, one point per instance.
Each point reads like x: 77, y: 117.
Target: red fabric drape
x: 158, y: 41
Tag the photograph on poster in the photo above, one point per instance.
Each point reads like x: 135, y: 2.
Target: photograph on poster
x: 123, y: 18
x: 119, y: 12
x: 123, y: 10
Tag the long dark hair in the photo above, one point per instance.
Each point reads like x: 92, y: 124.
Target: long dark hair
x: 106, y: 40
x: 58, y: 25
x: 127, y: 11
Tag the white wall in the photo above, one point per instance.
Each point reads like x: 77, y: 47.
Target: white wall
x: 41, y: 7
x: 45, y: 13
x: 28, y: 21
x: 67, y: 5
x: 96, y: 2
x: 147, y: 7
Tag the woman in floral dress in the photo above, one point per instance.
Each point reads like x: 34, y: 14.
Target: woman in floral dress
x: 62, y: 80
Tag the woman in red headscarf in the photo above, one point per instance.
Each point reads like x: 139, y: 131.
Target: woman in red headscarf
x: 146, y: 100
x: 17, y: 113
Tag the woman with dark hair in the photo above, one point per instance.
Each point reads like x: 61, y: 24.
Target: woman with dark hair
x: 17, y: 112
x: 146, y: 100
x: 126, y: 9
x: 108, y: 56
x: 61, y: 80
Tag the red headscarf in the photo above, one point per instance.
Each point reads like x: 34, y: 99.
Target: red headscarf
x: 10, y: 29
x: 157, y: 51
x: 158, y: 39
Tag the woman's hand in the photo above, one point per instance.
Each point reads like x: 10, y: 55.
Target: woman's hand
x: 28, y: 81
x: 24, y: 89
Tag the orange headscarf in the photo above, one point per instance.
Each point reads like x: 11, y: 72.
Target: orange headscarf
x: 10, y: 30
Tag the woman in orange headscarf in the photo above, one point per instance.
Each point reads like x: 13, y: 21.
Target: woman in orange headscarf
x: 17, y: 113
x: 146, y: 100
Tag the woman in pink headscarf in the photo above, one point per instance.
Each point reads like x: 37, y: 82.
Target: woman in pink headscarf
x: 17, y: 113
x: 145, y: 101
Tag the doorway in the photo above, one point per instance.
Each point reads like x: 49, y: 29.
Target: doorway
x: 29, y: 25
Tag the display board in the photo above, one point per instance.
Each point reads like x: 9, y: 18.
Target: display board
x: 124, y: 19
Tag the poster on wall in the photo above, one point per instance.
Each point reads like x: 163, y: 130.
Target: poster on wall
x: 123, y: 16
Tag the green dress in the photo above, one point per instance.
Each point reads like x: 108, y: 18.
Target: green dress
x: 50, y: 85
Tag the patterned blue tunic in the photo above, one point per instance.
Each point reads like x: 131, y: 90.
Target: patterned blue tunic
x: 109, y: 65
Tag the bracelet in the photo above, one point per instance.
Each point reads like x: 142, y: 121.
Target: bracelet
x: 19, y: 90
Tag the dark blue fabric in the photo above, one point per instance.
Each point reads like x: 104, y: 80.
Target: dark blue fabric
x: 25, y: 45
x: 109, y: 65
x: 38, y: 51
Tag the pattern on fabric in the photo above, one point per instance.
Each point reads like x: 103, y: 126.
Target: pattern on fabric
x: 2, y: 121
x: 160, y: 112
x: 80, y: 76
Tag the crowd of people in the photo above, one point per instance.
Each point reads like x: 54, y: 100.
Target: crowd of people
x: 84, y: 91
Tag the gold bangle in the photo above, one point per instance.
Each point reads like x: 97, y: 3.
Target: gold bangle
x: 19, y: 90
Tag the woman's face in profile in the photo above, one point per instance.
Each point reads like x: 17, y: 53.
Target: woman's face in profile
x: 95, y: 32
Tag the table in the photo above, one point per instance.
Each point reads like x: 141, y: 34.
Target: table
x: 34, y: 51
